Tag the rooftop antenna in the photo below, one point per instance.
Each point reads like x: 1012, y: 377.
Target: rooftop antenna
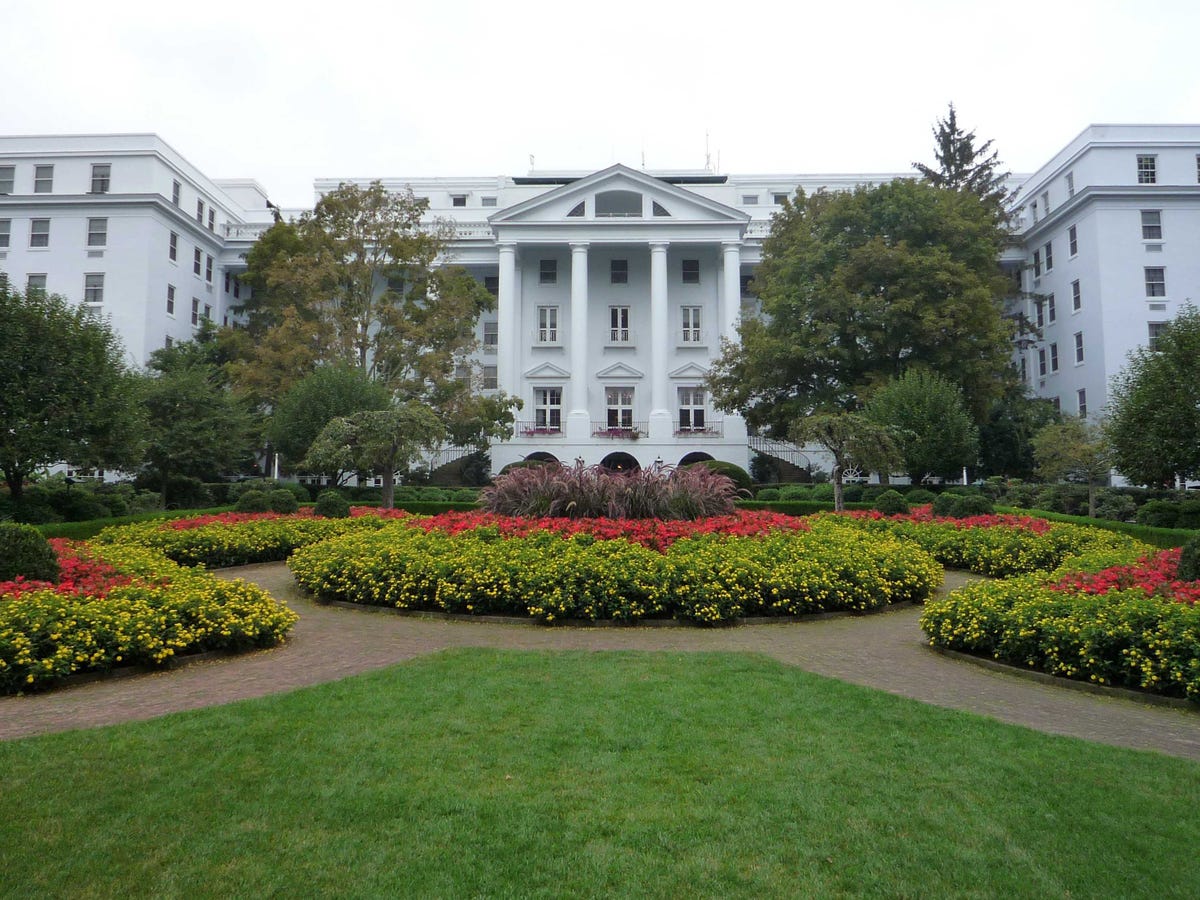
x: 531, y: 165
x: 707, y: 155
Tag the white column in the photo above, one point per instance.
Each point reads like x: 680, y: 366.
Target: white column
x: 731, y: 253
x: 660, y: 341
x: 508, y: 349
x: 579, y: 419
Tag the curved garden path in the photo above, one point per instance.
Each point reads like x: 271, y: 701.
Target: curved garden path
x: 885, y: 651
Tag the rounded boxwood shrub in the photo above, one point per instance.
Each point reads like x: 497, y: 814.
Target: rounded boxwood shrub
x: 920, y: 496
x: 1158, y: 514
x: 796, y: 492
x: 853, y: 493
x: 465, y: 495
x: 735, y: 473
x: 1189, y: 560
x: 891, y: 503
x: 332, y: 505
x: 282, y: 500
x: 24, y: 551
x: 253, y: 501
x: 767, y: 494
x: 960, y: 506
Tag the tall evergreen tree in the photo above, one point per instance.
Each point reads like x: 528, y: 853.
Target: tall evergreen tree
x: 963, y: 166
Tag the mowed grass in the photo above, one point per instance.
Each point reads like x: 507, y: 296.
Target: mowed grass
x: 493, y: 774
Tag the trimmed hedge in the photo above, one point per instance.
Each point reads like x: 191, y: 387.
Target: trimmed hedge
x: 1165, y: 538
x: 25, y: 553
x: 796, y: 507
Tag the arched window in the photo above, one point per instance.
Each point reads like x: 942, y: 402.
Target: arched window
x: 619, y: 203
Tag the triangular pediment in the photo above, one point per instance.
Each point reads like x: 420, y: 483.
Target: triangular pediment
x: 547, y: 370
x: 620, y: 370
x: 607, y: 196
x: 691, y: 370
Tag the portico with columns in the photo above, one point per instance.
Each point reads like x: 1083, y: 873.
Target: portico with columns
x: 614, y: 293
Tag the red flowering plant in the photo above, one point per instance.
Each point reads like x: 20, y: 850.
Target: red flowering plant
x: 79, y: 575
x: 305, y: 512
x: 924, y: 514
x: 1156, y: 575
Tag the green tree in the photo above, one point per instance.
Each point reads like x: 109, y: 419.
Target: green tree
x: 327, y: 393
x: 962, y: 166
x: 383, y: 441
x: 852, y: 440
x: 857, y: 286
x: 1154, y: 407
x: 1073, y: 450
x: 65, y: 392
x: 933, y: 430
x: 1006, y: 436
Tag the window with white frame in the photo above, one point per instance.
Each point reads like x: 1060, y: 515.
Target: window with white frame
x: 618, y: 402
x: 93, y: 288
x: 97, y: 233
x: 43, y: 179
x: 176, y: 188
x: 690, y: 271
x: 5, y: 232
x: 1051, y: 313
x: 208, y: 312
x: 212, y: 219
x: 195, y: 311
x: 548, y: 271
x: 101, y: 174
x: 1081, y: 402
x: 1042, y: 361
x: 1054, y: 357
x: 618, y: 271
x: 1076, y: 297
x: 171, y: 300
x: 491, y: 336
x: 1070, y: 185
x: 547, y: 324
x: 8, y: 175
x: 749, y: 199
x: 458, y: 200
x: 1049, y: 256
x: 200, y: 211
x: 691, y: 409
x: 1037, y: 263
x: 197, y: 261
x: 1024, y: 369
x: 35, y: 282
x: 491, y: 378
x: 487, y: 201
x: 547, y: 408
x: 1040, y: 306
x: 1155, y: 330
x: 1072, y: 240
x: 1152, y: 225
x: 745, y: 283
x: 39, y: 233
x: 1056, y: 402
x: 462, y: 374
x: 1078, y: 347
x: 1156, y: 281
x: 1147, y: 169
x: 779, y: 199
x: 208, y: 269
x: 173, y: 247
x: 228, y: 279
x: 618, y: 325
x: 691, y: 324
x: 1046, y: 202
x: 491, y: 284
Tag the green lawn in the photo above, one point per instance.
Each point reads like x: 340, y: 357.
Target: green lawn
x: 483, y: 773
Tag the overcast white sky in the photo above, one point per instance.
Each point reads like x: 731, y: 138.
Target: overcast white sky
x: 285, y: 92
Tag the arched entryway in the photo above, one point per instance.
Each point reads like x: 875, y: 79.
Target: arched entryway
x: 620, y: 462
x: 541, y: 456
x: 697, y: 456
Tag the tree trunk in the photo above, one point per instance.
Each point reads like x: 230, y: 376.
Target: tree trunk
x: 16, y: 483
x: 389, y: 482
x: 163, y: 490
x: 1091, y: 499
x: 839, y: 505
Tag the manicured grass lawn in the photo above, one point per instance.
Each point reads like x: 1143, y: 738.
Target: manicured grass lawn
x: 483, y: 773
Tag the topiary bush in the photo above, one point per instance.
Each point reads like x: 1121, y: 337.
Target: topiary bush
x: 25, y: 552
x: 767, y: 494
x: 1159, y: 514
x: 332, y: 505
x: 1189, y: 560
x: 891, y: 503
x: 854, y: 493
x: 465, y: 495
x: 281, y: 500
x: 1112, y: 504
x: 961, y: 506
x: 253, y: 501
x: 739, y: 476
x: 796, y: 492
x: 919, y: 497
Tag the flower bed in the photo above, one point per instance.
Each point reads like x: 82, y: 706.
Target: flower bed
x: 125, y: 605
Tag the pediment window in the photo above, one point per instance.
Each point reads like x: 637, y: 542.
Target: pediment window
x: 626, y: 204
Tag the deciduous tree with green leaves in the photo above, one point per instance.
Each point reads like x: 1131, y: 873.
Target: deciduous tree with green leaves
x: 852, y: 440
x: 65, y: 392
x: 1074, y: 450
x: 932, y: 428
x: 1006, y: 435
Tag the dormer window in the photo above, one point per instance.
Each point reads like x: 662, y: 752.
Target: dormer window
x: 618, y: 203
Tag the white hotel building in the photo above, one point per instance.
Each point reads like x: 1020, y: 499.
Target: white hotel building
x: 614, y: 288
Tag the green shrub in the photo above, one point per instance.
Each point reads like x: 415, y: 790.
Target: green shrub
x: 764, y: 469
x: 464, y: 495
x: 1159, y: 514
x: 796, y: 492
x: 23, y: 551
x: 332, y: 505
x: 1189, y: 560
x: 1189, y: 514
x: 961, y: 506
x: 855, y: 493
x: 739, y: 476
x: 920, y: 496
x: 432, y: 495
x: 822, y: 491
x: 1112, y: 504
x: 891, y: 503
x: 281, y: 500
x: 767, y: 494
x: 253, y: 501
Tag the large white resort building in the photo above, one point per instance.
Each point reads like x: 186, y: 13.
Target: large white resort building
x: 614, y: 288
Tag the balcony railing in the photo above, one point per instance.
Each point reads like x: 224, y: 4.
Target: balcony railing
x: 620, y: 337
x: 708, y: 430
x: 547, y: 337
x: 630, y: 432
x: 537, y: 430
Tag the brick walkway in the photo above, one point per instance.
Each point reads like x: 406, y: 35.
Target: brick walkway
x: 884, y: 651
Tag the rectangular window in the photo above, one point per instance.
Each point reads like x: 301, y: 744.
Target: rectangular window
x: 458, y: 199
x: 1033, y: 207
x: 169, y: 342
x: 1155, y: 331
x: 779, y: 199
x: 1151, y: 225
x: 39, y: 233
x: 462, y: 374
x: 618, y: 402
x: 1072, y: 240
x: 1042, y: 361
x: 1076, y: 297
x: 1056, y: 403
x: 197, y: 261
x: 691, y: 409
x: 195, y: 311
x: 35, y: 283
x: 487, y: 201
x: 43, y: 179
x: 1024, y: 369
x: 212, y: 219
x: 5, y: 232
x: 691, y: 324
x: 1037, y: 263
x: 200, y: 211
x: 100, y: 177
x: 548, y: 271
x: 749, y: 199
x: 745, y: 282
x: 1054, y: 357
x: 208, y: 312
x: 1081, y: 402
x: 1041, y: 314
x: 1070, y: 185
x: 1051, y: 314
x: 1078, y: 347
x: 173, y: 247
x: 1156, y: 281
x: 618, y: 325
x: 93, y: 288
x: 97, y: 232
x: 170, y: 299
x: 1046, y: 202
x: 175, y: 190
x: 619, y: 271
x: 491, y: 283
x: 491, y: 336
x: 691, y: 271
x: 208, y: 266
x: 7, y: 177
x: 228, y: 278
x: 1147, y: 169
x: 1049, y: 256
x: 491, y: 378
x: 547, y: 408
x: 237, y: 288
x: 547, y: 332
